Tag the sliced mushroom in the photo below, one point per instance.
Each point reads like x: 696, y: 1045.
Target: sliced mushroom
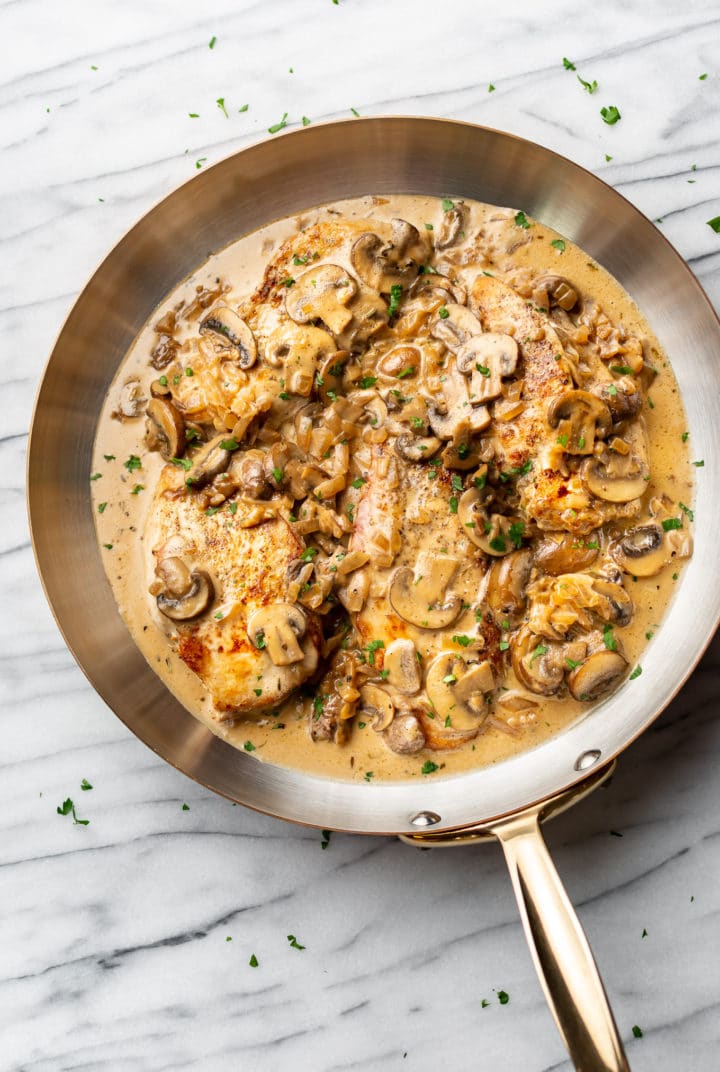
x: 421, y: 596
x: 452, y: 227
x: 417, y: 448
x: 505, y: 587
x: 212, y: 459
x: 130, y: 401
x: 455, y: 416
x: 598, y: 675
x: 616, y: 477
x: 537, y: 662
x: 404, y: 735
x: 278, y: 628
x: 438, y: 289
x: 401, y: 666
x: 620, y: 606
x: 369, y: 315
x: 229, y: 325
x: 330, y: 373
x: 300, y: 349
x: 642, y: 550
x: 165, y: 428
x: 322, y: 293
x: 458, y: 691
x: 487, y: 358
x: 555, y: 290
x: 185, y: 595
x: 492, y: 533
x: 455, y: 326
x: 248, y: 471
x: 622, y: 398
x: 383, y: 265
x: 562, y: 553
x: 376, y: 707
x: 579, y: 418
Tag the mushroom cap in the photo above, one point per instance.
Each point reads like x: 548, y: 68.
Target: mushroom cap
x: 457, y: 327
x: 492, y: 349
x: 211, y: 460
x: 299, y: 348
x: 620, y: 605
x: 423, y: 600
x: 377, y: 706
x: 417, y: 448
x: 537, y: 662
x: 185, y: 595
x: 457, y: 691
x: 598, y: 675
x: 402, y: 667
x: 166, y: 427
x: 404, y: 735
x: 560, y: 291
x: 383, y: 265
x: 489, y: 532
x: 322, y: 293
x: 277, y: 627
x: 230, y: 326
x: 454, y: 221
x: 583, y: 417
x: 642, y: 551
x: 562, y: 553
x: 457, y: 416
x: 617, y: 478
x: 505, y: 591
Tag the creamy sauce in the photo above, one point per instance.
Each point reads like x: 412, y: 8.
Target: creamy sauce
x: 121, y: 523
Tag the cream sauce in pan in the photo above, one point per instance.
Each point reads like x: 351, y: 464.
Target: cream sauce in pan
x: 123, y: 497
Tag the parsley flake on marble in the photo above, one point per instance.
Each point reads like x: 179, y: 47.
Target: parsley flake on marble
x: 68, y: 808
x: 85, y: 785
x: 253, y: 962
x: 715, y: 224
x: 278, y: 126
x: 610, y: 115
x: 294, y: 944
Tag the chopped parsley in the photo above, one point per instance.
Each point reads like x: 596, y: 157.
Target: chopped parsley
x: 278, y: 475
x: 685, y: 436
x: 358, y: 482
x: 85, y: 785
x: 610, y: 115
x: 221, y: 105
x: 189, y: 371
x: 443, y: 313
x: 498, y: 544
x: 503, y: 997
x: 562, y: 440
x: 244, y: 108
x: 715, y: 224
x: 229, y: 444
x: 607, y: 158
x: 568, y: 65
x: 609, y: 638
x: 687, y: 511
x: 253, y: 962
x: 453, y: 503
x: 558, y: 244
x: 137, y: 489
x: 249, y: 746
x: 102, y: 507
x: 68, y: 808
x: 404, y: 373
x: 355, y: 112
x: 636, y: 672
x: 96, y: 476
x: 294, y: 944
x: 482, y: 369
x: 699, y: 465
x: 309, y: 554
x: 395, y: 299
x: 516, y: 533
x: 637, y: 1032
x: 305, y: 121
x: 133, y: 463
x: 368, y: 381
x: 278, y: 126
x: 491, y: 88
x: 521, y: 220
x: 462, y: 640
x: 541, y: 649
x: 326, y: 834
x: 429, y: 767
x: 371, y: 648
x: 621, y: 370
x: 449, y: 679
x: 111, y: 457
x: 369, y: 775
x: 670, y: 523
x: 447, y: 204
x: 213, y: 39
x: 571, y: 664
x: 589, y: 86
x: 186, y: 807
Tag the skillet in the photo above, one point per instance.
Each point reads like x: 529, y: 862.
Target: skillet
x: 277, y: 178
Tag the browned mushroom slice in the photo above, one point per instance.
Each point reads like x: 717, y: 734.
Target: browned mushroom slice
x: 300, y: 349
x: 646, y: 549
x: 615, y: 477
x: 552, y: 290
x: 401, y: 666
x: 130, y: 401
x: 278, y: 628
x: 231, y: 327
x: 376, y: 707
x: 383, y: 265
x: 455, y: 414
x: 404, y: 734
x: 417, y: 448
x: 212, y: 459
x: 486, y: 359
x: 453, y: 225
x: 330, y: 373
x: 538, y: 663
x: 623, y: 398
x: 435, y: 289
x: 165, y: 428
x: 495, y: 534
x: 562, y: 553
x: 247, y: 469
x: 421, y: 596
x: 579, y: 418
x: 619, y: 607
x: 458, y: 691
x: 184, y: 595
x: 455, y: 324
x: 322, y: 293
x: 505, y: 592
x: 598, y: 675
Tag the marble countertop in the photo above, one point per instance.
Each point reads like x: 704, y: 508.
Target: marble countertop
x: 126, y: 944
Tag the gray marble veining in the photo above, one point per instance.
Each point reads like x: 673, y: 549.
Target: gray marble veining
x: 114, y: 950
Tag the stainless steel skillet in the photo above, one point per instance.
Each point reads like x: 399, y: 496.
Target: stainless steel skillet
x: 274, y: 179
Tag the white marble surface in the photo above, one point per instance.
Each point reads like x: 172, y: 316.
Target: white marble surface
x: 114, y: 950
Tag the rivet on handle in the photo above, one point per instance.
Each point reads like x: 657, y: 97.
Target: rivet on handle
x: 425, y: 818
x: 588, y: 759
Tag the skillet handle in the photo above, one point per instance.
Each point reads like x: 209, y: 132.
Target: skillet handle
x: 560, y: 951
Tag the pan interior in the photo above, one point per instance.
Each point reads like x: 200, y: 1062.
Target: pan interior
x: 274, y: 179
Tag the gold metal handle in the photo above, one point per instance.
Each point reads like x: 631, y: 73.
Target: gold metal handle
x: 560, y: 951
